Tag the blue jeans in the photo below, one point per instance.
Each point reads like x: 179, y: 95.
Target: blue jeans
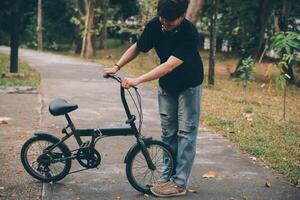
x: 179, y: 115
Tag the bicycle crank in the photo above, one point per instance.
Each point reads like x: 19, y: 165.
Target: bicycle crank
x: 88, y: 157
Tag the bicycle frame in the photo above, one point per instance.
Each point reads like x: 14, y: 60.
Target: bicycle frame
x: 98, y: 133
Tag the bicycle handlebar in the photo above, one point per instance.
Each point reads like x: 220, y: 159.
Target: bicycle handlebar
x: 117, y: 78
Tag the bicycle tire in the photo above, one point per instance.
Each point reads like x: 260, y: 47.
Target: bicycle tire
x: 144, y: 187
x: 33, y: 172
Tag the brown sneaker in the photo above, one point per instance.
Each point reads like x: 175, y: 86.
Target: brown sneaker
x: 169, y: 189
x: 159, y: 183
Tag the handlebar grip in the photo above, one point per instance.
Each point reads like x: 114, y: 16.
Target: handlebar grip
x: 119, y: 79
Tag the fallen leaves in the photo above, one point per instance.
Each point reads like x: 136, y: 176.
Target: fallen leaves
x: 13, y: 194
x: 253, y: 159
x: 268, y: 183
x: 248, y: 117
x: 209, y: 174
x: 192, y: 190
x: 4, y: 120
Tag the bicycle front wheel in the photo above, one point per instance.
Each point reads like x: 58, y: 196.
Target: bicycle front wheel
x: 137, y: 171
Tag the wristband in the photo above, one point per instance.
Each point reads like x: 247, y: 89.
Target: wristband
x: 119, y: 67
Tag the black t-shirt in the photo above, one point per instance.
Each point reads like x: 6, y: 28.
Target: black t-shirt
x: 181, y: 42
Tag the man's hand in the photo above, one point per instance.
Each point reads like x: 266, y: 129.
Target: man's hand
x: 129, y: 82
x: 109, y: 70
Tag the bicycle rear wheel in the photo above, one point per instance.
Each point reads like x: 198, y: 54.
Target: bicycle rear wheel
x: 137, y: 171
x: 45, y: 167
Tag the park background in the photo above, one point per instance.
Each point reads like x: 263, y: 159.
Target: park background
x: 250, y: 51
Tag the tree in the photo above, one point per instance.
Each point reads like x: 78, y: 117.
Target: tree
x: 246, y: 74
x: 284, y: 42
x: 125, y: 9
x: 253, y: 30
x: 40, y: 27
x: 194, y: 9
x: 284, y: 14
x: 59, y: 33
x: 87, y: 9
x: 213, y: 39
x: 14, y: 16
x: 147, y: 10
x: 91, y: 20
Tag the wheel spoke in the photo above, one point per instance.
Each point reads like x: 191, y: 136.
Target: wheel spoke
x: 39, y: 163
x: 142, y: 175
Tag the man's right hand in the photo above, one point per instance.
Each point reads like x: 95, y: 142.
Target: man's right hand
x: 109, y: 70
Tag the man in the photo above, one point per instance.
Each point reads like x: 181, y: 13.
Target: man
x: 180, y: 75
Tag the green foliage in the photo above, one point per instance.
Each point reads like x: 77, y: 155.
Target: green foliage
x: 119, y: 28
x: 30, y: 34
x: 56, y: 22
x: 123, y: 9
x: 280, y: 82
x: 284, y: 43
x: 248, y: 109
x: 246, y: 72
x: 147, y: 10
x: 240, y: 30
x: 8, y: 10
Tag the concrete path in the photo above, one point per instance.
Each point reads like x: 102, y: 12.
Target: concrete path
x: 99, y: 103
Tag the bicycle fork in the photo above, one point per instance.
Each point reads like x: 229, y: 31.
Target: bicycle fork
x: 146, y: 155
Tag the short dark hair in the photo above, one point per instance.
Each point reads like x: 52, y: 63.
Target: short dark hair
x: 171, y: 9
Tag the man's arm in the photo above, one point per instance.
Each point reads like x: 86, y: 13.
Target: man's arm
x: 128, y: 56
x: 156, y: 73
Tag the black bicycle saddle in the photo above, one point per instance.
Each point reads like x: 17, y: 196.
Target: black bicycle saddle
x: 61, y: 107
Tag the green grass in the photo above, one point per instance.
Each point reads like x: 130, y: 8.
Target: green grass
x: 266, y: 135
x: 254, y: 124
x: 28, y: 76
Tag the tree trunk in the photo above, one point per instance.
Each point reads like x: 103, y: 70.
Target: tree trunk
x: 103, y: 34
x: 88, y: 42
x: 39, y: 28
x: 14, y: 38
x: 213, y: 39
x: 266, y: 9
x: 276, y: 24
x: 194, y: 10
